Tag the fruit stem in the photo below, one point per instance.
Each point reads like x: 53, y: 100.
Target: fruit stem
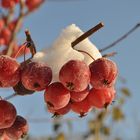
x: 30, y: 43
x: 87, y: 34
x: 21, y: 47
x: 109, y: 54
x: 10, y: 96
x: 87, y: 54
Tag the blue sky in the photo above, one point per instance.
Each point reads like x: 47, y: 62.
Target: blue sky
x: 118, y: 16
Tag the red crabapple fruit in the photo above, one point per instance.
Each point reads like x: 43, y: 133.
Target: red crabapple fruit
x: 79, y: 96
x: 1, y: 132
x: 18, y: 130
x: 75, y: 75
x: 101, y: 98
x: 21, y: 90
x: 33, y: 4
x: 56, y: 96
x: 9, y: 3
x: 82, y: 107
x: 103, y: 73
x: 61, y: 111
x: 36, y: 76
x: 7, y: 114
x: 9, y: 71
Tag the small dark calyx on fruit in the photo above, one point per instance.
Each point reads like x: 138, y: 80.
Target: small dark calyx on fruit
x: 36, y: 85
x: 70, y: 85
x: 23, y: 135
x: 82, y: 114
x: 1, y: 85
x: 106, y: 82
x: 50, y: 104
x: 113, y: 102
x: 106, y: 105
x: 55, y: 115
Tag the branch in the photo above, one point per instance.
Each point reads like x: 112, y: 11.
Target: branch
x: 109, y: 54
x: 16, y: 29
x: 87, y: 34
x: 10, y: 96
x: 121, y: 38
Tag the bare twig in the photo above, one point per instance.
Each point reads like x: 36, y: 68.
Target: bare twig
x: 10, y: 96
x: 16, y: 29
x: 121, y: 38
x: 87, y: 34
x: 109, y: 54
x: 30, y: 43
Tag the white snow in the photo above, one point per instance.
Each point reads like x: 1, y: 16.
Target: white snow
x: 61, y: 51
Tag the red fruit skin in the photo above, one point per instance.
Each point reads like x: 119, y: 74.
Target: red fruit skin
x: 33, y: 4
x: 18, y: 130
x: 36, y: 76
x: 82, y: 107
x: 101, y: 98
x: 6, y: 35
x: 56, y: 96
x: 7, y: 114
x: 103, y: 73
x: 79, y: 96
x: 9, y: 71
x: 61, y: 111
x: 1, y: 24
x: 1, y: 132
x: 75, y: 75
x: 9, y: 3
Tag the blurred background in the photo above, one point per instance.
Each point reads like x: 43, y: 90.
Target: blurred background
x: 122, y: 119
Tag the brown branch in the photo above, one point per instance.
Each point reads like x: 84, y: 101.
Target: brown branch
x: 87, y: 34
x: 109, y: 54
x: 121, y: 38
x: 30, y: 43
x: 10, y: 96
x: 16, y: 29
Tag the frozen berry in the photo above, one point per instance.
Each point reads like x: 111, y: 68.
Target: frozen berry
x: 56, y: 96
x: 103, y: 73
x: 75, y: 75
x: 18, y: 130
x: 79, y: 96
x: 101, y: 98
x: 36, y: 76
x: 9, y: 71
x: 82, y: 108
x: 7, y: 114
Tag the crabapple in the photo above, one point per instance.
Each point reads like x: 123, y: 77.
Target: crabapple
x: 1, y: 24
x: 7, y: 114
x: 82, y: 107
x: 9, y: 3
x: 75, y: 75
x: 9, y: 71
x: 101, y: 98
x: 61, y: 111
x: 36, y: 76
x: 33, y: 4
x: 6, y: 35
x: 103, y: 73
x: 79, y: 96
x: 21, y: 90
x: 56, y: 96
x: 1, y: 132
x: 18, y: 130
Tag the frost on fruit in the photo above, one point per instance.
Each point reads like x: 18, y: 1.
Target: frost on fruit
x: 61, y: 51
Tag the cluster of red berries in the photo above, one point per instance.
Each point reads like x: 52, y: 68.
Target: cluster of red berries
x: 31, y: 4
x: 9, y: 23
x: 82, y: 87
x: 12, y: 126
